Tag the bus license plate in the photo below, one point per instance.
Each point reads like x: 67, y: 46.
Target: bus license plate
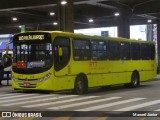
x: 27, y: 84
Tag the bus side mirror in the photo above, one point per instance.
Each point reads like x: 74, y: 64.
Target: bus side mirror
x: 60, y: 51
x: 7, y: 49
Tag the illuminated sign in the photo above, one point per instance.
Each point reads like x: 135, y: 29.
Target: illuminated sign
x: 31, y: 37
x: 35, y: 64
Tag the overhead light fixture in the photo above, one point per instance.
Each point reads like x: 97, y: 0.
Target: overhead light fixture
x: 55, y: 23
x: 90, y: 20
x: 149, y: 21
x: 63, y: 2
x: 14, y: 19
x: 20, y: 26
x: 52, y: 13
x: 116, y: 14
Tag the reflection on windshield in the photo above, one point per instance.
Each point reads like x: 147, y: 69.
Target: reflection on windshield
x: 32, y: 55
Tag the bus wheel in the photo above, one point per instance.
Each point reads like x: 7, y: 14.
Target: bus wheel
x: 135, y: 79
x: 80, y: 86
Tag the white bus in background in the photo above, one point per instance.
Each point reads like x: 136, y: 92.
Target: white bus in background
x: 5, y: 61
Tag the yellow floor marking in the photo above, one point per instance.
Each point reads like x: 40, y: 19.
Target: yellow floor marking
x: 62, y: 118
x: 67, y: 117
x: 102, y: 118
x: 25, y: 118
x: 142, y: 118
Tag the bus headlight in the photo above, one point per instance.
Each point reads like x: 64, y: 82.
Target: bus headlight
x: 14, y: 78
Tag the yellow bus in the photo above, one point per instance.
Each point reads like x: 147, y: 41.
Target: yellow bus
x: 55, y: 60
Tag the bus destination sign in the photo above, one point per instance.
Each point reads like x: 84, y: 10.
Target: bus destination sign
x: 31, y: 37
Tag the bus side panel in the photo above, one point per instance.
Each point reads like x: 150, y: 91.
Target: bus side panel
x: 100, y: 80
x: 146, y: 75
x: 148, y: 70
x: 75, y: 68
x: 118, y: 72
x: 101, y: 73
x: 63, y: 83
x: 108, y: 79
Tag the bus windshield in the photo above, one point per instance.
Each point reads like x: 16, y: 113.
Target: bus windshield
x: 32, y: 57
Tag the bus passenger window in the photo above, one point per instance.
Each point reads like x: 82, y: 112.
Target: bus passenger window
x: 125, y: 50
x: 152, y: 51
x: 135, y: 51
x: 113, y: 51
x: 99, y: 50
x: 145, y: 51
x: 81, y: 49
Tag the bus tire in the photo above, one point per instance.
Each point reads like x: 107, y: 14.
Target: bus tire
x: 134, y: 80
x: 81, y: 85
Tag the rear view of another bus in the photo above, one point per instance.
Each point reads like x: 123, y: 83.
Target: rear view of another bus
x: 4, y: 60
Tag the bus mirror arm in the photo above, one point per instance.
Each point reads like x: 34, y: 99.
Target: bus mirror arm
x: 7, y: 49
x: 60, y: 51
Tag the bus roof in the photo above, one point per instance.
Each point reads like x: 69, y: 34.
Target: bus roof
x: 79, y: 35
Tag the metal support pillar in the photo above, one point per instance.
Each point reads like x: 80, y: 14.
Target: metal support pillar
x: 65, y: 16
x: 158, y: 44
x: 70, y: 16
x: 124, y: 27
x: 150, y: 32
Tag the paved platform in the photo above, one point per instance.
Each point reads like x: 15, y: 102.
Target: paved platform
x: 157, y: 77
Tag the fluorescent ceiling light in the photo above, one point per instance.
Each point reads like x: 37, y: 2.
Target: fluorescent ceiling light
x: 14, y: 19
x: 55, y: 23
x: 149, y: 21
x: 63, y: 2
x: 52, y: 13
x: 116, y: 14
x: 90, y: 20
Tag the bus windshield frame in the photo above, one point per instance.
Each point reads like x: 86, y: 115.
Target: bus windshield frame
x: 32, y: 56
